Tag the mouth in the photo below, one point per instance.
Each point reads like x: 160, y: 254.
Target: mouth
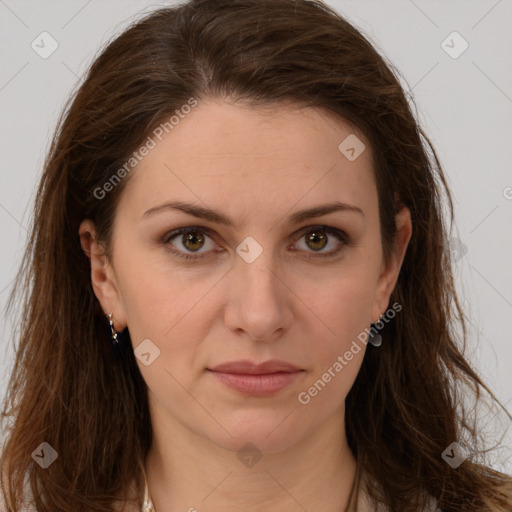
x: 260, y: 384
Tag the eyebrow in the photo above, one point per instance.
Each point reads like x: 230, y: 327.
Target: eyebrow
x: 219, y: 218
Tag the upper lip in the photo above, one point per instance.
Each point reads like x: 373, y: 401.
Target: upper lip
x: 248, y: 367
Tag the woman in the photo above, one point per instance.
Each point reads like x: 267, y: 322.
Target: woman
x: 237, y: 288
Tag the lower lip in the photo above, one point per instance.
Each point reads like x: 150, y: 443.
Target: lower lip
x: 257, y: 385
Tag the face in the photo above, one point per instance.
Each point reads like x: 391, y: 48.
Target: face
x: 265, y: 284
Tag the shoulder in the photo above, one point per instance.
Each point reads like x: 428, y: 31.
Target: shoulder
x: 364, y: 504
x: 133, y: 502
x: 28, y: 506
x: 121, y: 506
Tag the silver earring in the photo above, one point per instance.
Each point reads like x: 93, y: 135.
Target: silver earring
x: 113, y: 333
x: 374, y: 339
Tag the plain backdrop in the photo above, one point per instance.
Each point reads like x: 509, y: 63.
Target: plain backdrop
x: 464, y: 102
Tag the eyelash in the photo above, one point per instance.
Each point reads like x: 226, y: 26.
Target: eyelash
x: 168, y: 237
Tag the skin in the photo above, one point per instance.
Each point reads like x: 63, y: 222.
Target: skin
x: 258, y: 167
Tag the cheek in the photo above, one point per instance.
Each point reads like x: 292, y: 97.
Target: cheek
x: 157, y: 294
x: 338, y: 349
x: 342, y: 305
x: 343, y: 298
x: 173, y: 309
x: 326, y: 390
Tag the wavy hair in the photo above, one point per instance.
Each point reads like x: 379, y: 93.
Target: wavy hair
x: 89, y: 402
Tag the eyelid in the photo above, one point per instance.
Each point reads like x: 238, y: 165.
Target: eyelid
x: 340, y: 234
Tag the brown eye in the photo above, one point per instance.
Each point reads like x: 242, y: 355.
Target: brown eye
x: 193, y: 241
x: 316, y: 240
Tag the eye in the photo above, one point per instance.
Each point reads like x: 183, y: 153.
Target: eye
x: 316, y: 238
x: 193, y: 239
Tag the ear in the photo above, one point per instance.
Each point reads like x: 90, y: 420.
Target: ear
x: 103, y: 278
x: 391, y: 269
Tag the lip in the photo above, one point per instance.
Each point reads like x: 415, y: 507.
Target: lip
x: 257, y: 379
x: 249, y: 368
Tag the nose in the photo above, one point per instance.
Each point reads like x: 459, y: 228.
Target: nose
x: 259, y: 300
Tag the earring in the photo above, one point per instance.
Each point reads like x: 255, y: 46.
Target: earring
x: 374, y: 337
x: 113, y: 333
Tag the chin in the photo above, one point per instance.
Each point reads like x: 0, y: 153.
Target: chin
x: 255, y: 445
x: 268, y: 437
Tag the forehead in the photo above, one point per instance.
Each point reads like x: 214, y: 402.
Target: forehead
x: 237, y: 156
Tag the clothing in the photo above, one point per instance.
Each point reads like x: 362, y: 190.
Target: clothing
x: 147, y: 504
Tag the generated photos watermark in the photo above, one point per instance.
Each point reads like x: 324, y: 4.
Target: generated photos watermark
x: 363, y: 338
x: 143, y: 151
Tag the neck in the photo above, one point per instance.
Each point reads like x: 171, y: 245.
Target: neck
x: 191, y: 473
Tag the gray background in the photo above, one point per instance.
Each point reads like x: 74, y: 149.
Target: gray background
x: 464, y: 103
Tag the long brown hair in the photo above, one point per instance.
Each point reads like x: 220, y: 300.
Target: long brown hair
x: 69, y: 388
